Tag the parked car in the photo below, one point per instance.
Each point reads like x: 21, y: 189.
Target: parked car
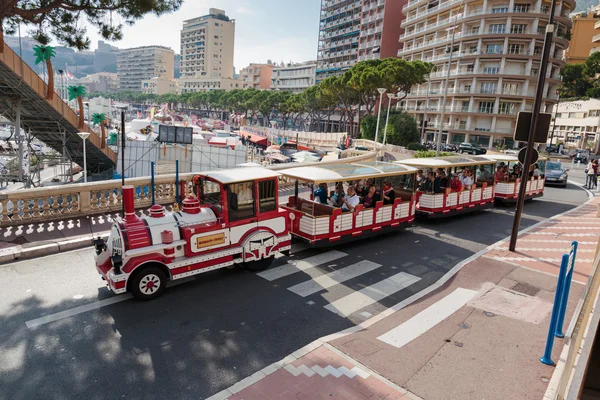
x: 552, y: 148
x: 471, y: 148
x: 511, y: 151
x: 556, y: 173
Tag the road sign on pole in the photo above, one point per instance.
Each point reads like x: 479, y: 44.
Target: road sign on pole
x: 534, y: 158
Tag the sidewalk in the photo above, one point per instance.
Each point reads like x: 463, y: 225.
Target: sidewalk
x: 480, y: 335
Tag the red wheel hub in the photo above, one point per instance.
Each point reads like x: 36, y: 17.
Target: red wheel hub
x: 150, y: 285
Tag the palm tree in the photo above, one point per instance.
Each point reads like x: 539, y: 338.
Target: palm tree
x: 98, y: 119
x: 77, y: 92
x: 44, y: 54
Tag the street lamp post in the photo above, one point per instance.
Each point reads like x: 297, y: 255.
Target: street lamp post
x: 390, y: 96
x: 554, y: 123
x: 447, y: 80
x: 381, y: 92
x: 84, y: 136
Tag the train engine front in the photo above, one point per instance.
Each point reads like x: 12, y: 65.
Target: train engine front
x: 139, y: 252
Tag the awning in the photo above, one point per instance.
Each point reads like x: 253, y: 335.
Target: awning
x: 256, y: 139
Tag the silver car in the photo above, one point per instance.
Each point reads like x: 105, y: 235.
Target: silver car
x: 556, y: 174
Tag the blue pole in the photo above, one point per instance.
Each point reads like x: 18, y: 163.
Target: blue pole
x: 177, y: 181
x: 546, y: 358
x: 152, y: 179
x: 565, y: 298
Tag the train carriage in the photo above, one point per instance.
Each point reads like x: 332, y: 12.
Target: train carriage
x: 234, y: 218
x: 507, y: 190
x: 323, y: 224
x: 446, y: 202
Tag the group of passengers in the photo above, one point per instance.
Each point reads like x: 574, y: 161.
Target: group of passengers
x: 505, y: 174
x: 365, y: 193
x: 438, y: 182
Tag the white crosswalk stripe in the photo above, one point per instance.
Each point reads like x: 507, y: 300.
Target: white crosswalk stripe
x: 371, y: 294
x: 322, y: 282
x: 301, y: 265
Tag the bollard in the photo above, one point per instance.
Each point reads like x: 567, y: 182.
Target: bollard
x: 546, y: 358
x: 565, y: 292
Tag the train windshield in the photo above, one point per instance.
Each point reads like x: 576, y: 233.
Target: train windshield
x: 211, y: 194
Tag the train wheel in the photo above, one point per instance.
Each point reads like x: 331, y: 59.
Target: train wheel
x: 148, y: 284
x: 259, y: 265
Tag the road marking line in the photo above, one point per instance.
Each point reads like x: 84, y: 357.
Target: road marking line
x: 77, y: 310
x: 371, y: 294
x: 326, y: 281
x: 90, y: 306
x: 428, y: 318
x: 301, y: 265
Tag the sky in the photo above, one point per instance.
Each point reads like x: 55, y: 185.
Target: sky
x: 279, y: 30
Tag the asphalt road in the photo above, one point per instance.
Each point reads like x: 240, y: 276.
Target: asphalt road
x: 209, y: 333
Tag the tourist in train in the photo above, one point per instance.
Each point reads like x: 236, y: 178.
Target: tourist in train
x: 427, y: 184
x: 338, y: 197
x: 467, y: 178
x: 516, y: 172
x: 420, y: 177
x: 443, y: 181
x: 371, y: 197
x: 499, y: 175
x: 455, y: 183
x: 389, y: 195
x: 482, y: 174
x: 437, y: 183
x: 321, y: 193
x: 351, y: 200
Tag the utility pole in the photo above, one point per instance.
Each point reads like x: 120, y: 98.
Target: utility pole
x: 554, y: 123
x: 535, y: 113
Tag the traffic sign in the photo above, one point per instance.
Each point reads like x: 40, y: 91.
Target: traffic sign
x: 534, y: 157
x: 524, y: 124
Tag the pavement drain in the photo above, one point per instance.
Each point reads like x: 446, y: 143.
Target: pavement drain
x: 526, y: 288
x: 489, y: 314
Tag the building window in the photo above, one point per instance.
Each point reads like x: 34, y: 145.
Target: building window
x: 506, y: 108
x: 494, y: 49
x: 491, y: 70
x: 571, y: 115
x: 486, y: 107
x: 500, y: 10
x: 497, y: 28
x: 518, y: 28
x: 521, y: 8
x: 515, y: 49
x: 488, y: 87
x: 511, y: 89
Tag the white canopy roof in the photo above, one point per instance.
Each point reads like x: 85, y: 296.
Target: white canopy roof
x: 445, y: 162
x: 345, y: 172
x: 227, y: 176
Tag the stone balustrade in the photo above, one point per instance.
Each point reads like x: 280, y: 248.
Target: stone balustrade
x: 84, y: 199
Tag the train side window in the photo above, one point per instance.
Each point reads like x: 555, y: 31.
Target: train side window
x: 211, y: 194
x: 241, y: 201
x: 266, y: 196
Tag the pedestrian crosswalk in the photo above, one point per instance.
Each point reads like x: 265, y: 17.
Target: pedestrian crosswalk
x: 348, y: 289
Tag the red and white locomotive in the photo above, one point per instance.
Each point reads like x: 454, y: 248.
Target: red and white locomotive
x: 234, y: 218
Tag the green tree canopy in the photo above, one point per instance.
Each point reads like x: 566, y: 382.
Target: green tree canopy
x: 402, y: 129
x: 62, y: 20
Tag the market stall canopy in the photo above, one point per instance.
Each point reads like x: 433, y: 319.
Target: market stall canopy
x: 256, y: 139
x: 278, y: 157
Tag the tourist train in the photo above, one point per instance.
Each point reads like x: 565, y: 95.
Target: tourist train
x: 234, y: 216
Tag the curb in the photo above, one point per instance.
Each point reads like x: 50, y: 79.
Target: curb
x: 18, y: 253
x: 323, y: 341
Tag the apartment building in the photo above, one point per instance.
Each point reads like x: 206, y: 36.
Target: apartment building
x: 207, y: 84
x: 159, y: 86
x: 582, y: 33
x: 577, y: 123
x: 207, y: 44
x: 142, y: 63
x: 100, y: 82
x: 294, y: 77
x: 257, y: 76
x: 356, y: 30
x: 494, y: 69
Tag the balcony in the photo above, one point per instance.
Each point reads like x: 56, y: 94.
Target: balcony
x: 429, y: 11
x: 596, y: 38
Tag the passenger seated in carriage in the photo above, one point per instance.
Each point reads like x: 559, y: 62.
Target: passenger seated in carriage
x: 371, y: 197
x: 389, y: 195
x: 351, y: 200
x: 455, y: 183
x: 321, y: 193
x: 338, y: 197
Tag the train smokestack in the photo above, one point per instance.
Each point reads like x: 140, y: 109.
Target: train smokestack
x: 129, y: 203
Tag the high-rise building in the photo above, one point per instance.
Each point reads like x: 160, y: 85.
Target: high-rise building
x: 257, y: 76
x: 294, y: 77
x: 142, y: 63
x: 207, y: 46
x: 356, y: 30
x: 582, y: 33
x: 494, y: 69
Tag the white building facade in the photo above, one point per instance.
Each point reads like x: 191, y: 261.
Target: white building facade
x: 494, y: 68
x: 294, y: 77
x: 577, y: 124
